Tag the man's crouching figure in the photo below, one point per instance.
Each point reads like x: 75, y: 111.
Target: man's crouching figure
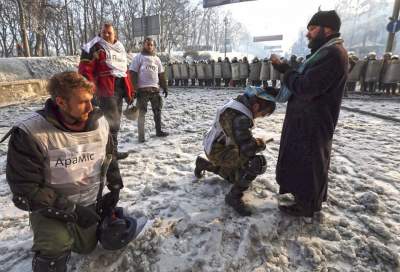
x: 231, y: 148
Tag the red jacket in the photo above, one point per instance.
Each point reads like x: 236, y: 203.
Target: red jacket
x: 93, y: 66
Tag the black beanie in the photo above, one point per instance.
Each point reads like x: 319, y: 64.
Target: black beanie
x: 327, y: 18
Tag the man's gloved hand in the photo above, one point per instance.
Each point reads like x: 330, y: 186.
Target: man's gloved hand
x: 109, y: 202
x: 260, y: 144
x: 86, y: 217
x: 165, y: 93
x: 67, y: 211
x: 281, y: 67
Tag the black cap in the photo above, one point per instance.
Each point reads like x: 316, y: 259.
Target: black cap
x: 327, y: 18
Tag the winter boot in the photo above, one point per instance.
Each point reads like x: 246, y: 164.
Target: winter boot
x: 204, y: 165
x: 157, y: 122
x: 50, y: 264
x: 122, y: 155
x: 234, y: 199
x: 296, y: 210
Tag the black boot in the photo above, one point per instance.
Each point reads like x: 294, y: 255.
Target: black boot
x: 296, y: 210
x: 157, y: 122
x: 50, y: 264
x: 204, y: 165
x: 234, y: 199
x: 122, y: 155
x: 161, y: 133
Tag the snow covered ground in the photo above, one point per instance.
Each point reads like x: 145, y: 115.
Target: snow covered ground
x: 193, y: 230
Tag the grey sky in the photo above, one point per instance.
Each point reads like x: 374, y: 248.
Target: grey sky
x: 269, y: 17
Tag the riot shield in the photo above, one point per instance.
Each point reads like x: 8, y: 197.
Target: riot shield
x: 169, y: 73
x: 392, y: 74
x: 255, y: 69
x: 200, y: 71
x: 192, y: 71
x: 355, y: 73
x: 265, y: 73
x: 226, y: 70
x: 209, y: 71
x: 373, y: 70
x: 176, y: 71
x: 184, y: 71
x: 244, y: 70
x: 217, y: 69
x: 235, y: 70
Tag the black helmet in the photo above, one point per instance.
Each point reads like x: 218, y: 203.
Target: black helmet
x: 117, y: 230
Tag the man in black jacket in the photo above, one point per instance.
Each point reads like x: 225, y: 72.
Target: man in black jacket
x: 54, y: 165
x: 312, y: 112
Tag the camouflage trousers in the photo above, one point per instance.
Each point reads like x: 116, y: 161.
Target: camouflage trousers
x: 229, y: 161
x: 144, y: 96
x: 52, y: 237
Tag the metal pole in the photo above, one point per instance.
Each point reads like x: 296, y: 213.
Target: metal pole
x: 143, y: 20
x: 395, y: 17
x: 226, y: 23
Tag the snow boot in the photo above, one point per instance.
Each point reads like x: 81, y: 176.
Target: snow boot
x: 122, y: 155
x: 234, y: 199
x: 50, y: 264
x: 295, y: 210
x: 204, y: 165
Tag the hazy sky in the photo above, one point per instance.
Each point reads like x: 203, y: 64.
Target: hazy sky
x: 269, y: 17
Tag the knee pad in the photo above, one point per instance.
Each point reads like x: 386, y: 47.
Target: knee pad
x: 257, y: 165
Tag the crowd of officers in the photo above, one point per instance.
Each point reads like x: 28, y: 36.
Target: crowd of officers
x: 374, y: 75
x: 225, y: 73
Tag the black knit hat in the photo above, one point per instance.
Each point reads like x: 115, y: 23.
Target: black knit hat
x: 327, y: 18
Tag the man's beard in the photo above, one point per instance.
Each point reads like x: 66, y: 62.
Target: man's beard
x: 73, y: 120
x: 318, y: 41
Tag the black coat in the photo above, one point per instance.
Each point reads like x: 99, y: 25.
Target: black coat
x: 311, y: 117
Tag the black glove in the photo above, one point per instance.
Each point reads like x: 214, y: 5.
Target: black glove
x: 82, y: 216
x: 109, y: 202
x: 282, y: 67
x: 165, y: 92
x: 86, y: 217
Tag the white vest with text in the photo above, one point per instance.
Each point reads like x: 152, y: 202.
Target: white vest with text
x: 73, y: 159
x: 216, y: 130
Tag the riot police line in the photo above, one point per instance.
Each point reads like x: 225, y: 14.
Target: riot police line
x: 374, y: 75
x: 371, y: 74
x: 210, y: 73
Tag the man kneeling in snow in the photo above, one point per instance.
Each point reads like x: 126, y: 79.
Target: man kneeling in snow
x: 231, y: 148
x: 58, y: 159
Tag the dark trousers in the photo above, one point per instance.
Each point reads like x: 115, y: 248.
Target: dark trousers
x: 218, y: 82
x: 112, y: 108
x: 193, y: 81
x: 144, y: 96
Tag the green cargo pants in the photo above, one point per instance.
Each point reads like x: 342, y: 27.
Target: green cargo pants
x: 144, y: 96
x: 53, y: 237
x: 229, y: 160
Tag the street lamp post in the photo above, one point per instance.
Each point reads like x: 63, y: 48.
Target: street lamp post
x: 225, y: 23
x: 395, y: 17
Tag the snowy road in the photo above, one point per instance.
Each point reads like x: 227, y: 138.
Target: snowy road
x: 193, y: 230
